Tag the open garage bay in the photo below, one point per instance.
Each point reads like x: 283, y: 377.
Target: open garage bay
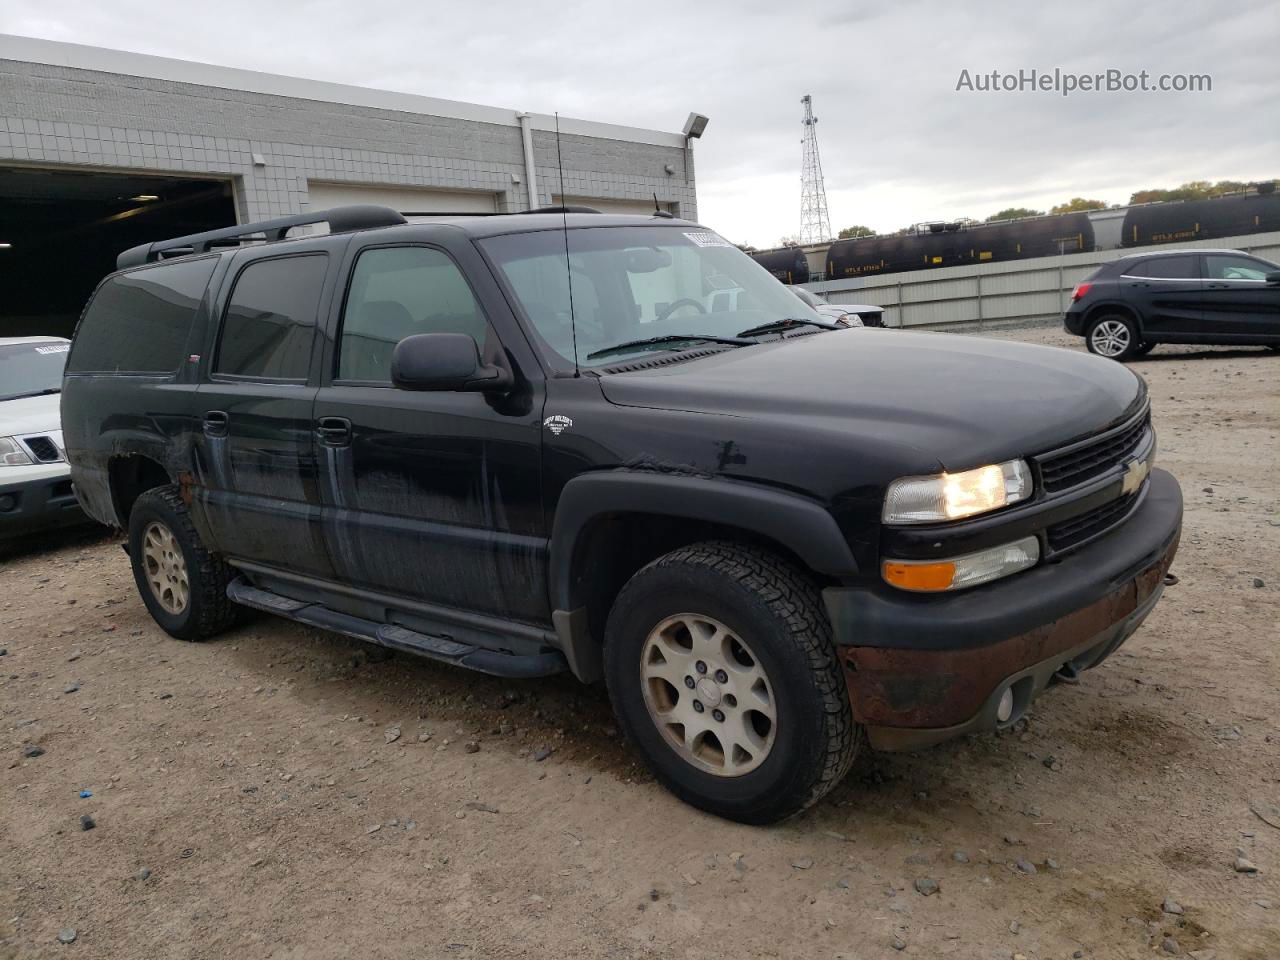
x: 60, y: 232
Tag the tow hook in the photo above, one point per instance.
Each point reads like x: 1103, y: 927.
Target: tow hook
x: 1067, y: 673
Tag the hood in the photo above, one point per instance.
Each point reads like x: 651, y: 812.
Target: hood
x: 30, y: 415
x: 961, y: 399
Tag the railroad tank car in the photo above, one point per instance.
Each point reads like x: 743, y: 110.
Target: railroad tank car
x: 788, y: 264
x: 1182, y: 220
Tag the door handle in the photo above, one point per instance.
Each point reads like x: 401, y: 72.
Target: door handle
x: 216, y: 423
x: 1219, y: 286
x: 334, y: 431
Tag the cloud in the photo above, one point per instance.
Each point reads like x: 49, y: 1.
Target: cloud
x: 899, y: 144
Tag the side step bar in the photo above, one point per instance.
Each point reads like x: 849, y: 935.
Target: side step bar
x: 399, y: 638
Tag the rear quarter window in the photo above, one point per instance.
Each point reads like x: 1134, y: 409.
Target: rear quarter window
x: 138, y: 322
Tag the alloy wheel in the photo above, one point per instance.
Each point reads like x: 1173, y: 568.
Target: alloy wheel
x: 1110, y: 338
x: 165, y: 568
x: 708, y: 694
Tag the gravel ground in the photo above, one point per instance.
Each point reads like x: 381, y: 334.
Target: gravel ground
x: 280, y: 792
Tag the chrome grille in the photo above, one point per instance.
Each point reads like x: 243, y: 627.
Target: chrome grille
x: 1061, y: 471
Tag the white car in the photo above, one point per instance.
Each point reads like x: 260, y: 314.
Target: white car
x: 850, y: 314
x: 35, y: 479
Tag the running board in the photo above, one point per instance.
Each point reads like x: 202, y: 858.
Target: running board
x: 396, y: 637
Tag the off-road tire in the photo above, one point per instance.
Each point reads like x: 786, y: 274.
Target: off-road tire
x: 208, y: 610
x: 1106, y: 346
x: 777, y: 610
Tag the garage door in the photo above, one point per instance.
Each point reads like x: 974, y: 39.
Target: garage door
x: 642, y: 208
x: 324, y: 196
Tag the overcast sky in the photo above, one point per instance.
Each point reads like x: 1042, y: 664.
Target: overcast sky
x: 899, y: 144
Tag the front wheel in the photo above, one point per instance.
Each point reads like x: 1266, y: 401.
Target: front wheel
x: 1113, y: 336
x: 721, y: 667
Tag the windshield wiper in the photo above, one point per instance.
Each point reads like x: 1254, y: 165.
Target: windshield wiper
x: 669, y: 338
x: 38, y: 393
x: 775, y: 326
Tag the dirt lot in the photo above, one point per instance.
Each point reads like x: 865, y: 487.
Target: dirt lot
x: 260, y: 780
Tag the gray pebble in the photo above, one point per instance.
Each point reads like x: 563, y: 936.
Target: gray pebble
x: 804, y: 863
x: 1245, y: 865
x: 1051, y: 863
x: 87, y: 822
x: 926, y: 886
x: 471, y: 747
x: 71, y: 688
x: 143, y: 873
x: 899, y: 943
x: 541, y: 754
x: 67, y: 935
x: 1171, y: 906
x: 1259, y: 582
x: 1027, y: 867
x: 960, y: 857
x: 33, y: 751
x: 1170, y: 945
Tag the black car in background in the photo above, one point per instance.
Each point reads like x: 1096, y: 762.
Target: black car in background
x: 1124, y: 308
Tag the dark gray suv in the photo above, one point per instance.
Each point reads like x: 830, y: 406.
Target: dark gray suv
x: 1124, y: 308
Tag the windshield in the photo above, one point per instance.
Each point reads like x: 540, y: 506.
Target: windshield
x: 637, y: 283
x: 30, y: 369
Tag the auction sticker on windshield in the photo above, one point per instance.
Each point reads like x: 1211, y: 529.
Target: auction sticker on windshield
x: 705, y: 238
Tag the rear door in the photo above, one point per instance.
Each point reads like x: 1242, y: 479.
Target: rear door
x: 1166, y: 291
x: 431, y: 496
x: 256, y: 469
x: 1238, y: 303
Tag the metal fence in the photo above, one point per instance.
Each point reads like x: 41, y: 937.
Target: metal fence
x: 997, y: 293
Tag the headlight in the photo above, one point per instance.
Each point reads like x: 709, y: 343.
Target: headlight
x: 952, y: 496
x: 930, y: 576
x: 12, y: 455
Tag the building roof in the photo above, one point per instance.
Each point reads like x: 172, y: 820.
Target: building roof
x: 83, y: 57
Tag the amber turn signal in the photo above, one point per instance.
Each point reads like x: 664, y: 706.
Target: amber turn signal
x: 919, y: 576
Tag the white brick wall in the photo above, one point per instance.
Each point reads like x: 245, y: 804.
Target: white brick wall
x: 84, y: 118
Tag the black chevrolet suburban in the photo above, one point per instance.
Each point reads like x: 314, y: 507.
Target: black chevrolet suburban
x: 539, y: 442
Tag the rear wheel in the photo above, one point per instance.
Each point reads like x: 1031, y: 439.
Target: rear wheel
x: 1113, y: 336
x: 183, y: 585
x: 721, y: 667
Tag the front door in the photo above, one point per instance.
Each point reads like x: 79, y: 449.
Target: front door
x: 1238, y: 303
x: 256, y: 491
x: 1166, y: 292
x: 430, y: 496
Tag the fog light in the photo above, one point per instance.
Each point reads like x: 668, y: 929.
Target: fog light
x: 1004, y: 709
x: 7, y: 503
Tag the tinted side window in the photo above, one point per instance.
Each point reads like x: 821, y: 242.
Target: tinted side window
x: 138, y: 322
x: 1226, y: 267
x: 271, y: 318
x: 397, y: 292
x: 1167, y: 268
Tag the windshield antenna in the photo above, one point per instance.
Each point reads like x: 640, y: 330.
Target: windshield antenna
x: 568, y: 270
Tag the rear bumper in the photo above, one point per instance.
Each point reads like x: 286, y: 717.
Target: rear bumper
x: 924, y: 669
x: 1073, y: 322
x: 38, y: 502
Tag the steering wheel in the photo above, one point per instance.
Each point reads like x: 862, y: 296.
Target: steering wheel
x: 673, y: 307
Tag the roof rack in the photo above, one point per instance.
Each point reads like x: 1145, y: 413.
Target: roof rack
x: 340, y: 220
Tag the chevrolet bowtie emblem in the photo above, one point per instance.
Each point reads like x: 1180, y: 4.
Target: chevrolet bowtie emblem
x: 1134, y: 474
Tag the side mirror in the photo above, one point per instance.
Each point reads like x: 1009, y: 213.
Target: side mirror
x: 444, y: 361
x: 1273, y: 276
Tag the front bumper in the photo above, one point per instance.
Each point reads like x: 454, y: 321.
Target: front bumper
x: 924, y: 669
x: 38, y: 498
